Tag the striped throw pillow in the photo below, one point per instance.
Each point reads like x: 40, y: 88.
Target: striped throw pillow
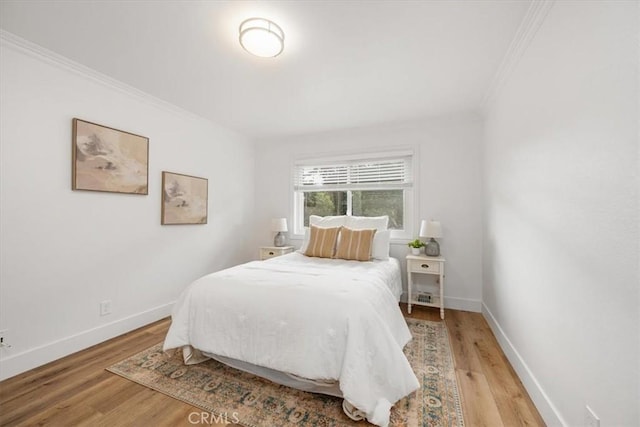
x: 355, y: 244
x: 322, y: 242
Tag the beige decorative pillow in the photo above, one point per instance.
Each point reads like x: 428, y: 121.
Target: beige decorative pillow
x: 322, y: 242
x: 355, y: 244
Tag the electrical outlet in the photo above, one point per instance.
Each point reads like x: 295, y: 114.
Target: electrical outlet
x: 3, y: 339
x: 590, y: 418
x: 105, y: 307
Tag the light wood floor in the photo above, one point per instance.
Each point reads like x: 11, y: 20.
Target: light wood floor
x: 76, y: 390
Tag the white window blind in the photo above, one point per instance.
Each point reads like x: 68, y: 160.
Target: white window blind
x: 375, y: 174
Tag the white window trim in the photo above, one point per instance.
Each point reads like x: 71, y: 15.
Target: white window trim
x: 410, y: 199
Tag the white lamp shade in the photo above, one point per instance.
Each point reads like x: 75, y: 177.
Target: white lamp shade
x: 279, y: 224
x: 430, y: 229
x: 261, y: 37
x: 423, y: 228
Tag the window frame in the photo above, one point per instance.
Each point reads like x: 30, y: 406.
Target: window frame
x: 408, y: 187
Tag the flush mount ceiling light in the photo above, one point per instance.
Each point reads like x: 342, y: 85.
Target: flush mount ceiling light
x: 261, y: 37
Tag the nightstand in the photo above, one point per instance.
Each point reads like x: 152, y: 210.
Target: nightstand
x: 267, y: 252
x: 420, y: 264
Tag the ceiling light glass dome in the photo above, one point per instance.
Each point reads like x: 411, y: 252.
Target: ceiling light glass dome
x: 261, y: 37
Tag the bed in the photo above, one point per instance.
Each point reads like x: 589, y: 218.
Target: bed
x: 322, y: 325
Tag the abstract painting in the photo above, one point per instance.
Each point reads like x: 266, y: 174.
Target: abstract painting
x: 184, y: 199
x: 107, y: 159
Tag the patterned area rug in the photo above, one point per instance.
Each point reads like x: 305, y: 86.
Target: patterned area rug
x: 245, y: 399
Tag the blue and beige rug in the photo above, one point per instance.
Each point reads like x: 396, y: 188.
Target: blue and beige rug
x: 245, y: 399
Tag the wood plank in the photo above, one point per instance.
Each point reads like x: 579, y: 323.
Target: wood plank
x: 111, y: 351
x: 422, y: 312
x: 514, y: 405
x: 478, y: 405
x: 86, y: 372
x: 462, y: 342
x: 63, y: 415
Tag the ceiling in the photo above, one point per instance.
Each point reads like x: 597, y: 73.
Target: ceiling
x: 345, y: 64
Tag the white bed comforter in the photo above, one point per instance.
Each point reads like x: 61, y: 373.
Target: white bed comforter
x: 315, y: 318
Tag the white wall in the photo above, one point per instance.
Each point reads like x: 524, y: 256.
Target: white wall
x: 449, y: 187
x: 561, y: 239
x: 63, y: 251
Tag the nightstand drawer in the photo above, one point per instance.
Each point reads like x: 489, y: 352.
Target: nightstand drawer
x: 418, y: 266
x: 272, y: 251
x: 268, y: 253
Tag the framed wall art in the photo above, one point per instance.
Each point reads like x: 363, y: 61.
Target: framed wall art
x: 107, y: 159
x: 184, y: 199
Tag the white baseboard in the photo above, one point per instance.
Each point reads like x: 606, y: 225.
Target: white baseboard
x: 43, y: 354
x: 463, y: 304
x: 545, y: 406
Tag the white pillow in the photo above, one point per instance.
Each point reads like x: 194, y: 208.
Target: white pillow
x: 328, y: 221
x: 305, y: 240
x: 360, y: 222
x: 380, y: 248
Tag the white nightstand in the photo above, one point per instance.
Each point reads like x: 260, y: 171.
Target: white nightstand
x: 267, y: 252
x: 420, y: 264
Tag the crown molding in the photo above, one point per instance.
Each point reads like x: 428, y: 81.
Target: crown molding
x: 527, y: 30
x: 16, y: 43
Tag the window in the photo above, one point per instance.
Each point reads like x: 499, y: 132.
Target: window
x: 380, y: 185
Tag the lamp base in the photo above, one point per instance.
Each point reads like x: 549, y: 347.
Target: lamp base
x: 432, y: 248
x: 280, y: 240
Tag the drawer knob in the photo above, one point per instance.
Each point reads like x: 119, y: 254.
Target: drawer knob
x: 425, y: 266
x: 270, y: 253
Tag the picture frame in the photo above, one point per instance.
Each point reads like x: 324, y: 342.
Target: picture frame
x: 108, y: 160
x: 185, y: 199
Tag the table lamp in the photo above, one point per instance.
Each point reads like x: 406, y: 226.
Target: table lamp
x: 279, y: 225
x: 431, y: 229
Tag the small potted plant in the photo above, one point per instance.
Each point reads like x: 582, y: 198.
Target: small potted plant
x: 415, y: 246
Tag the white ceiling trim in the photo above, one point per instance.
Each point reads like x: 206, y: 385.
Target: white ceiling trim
x: 10, y: 40
x: 527, y: 30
